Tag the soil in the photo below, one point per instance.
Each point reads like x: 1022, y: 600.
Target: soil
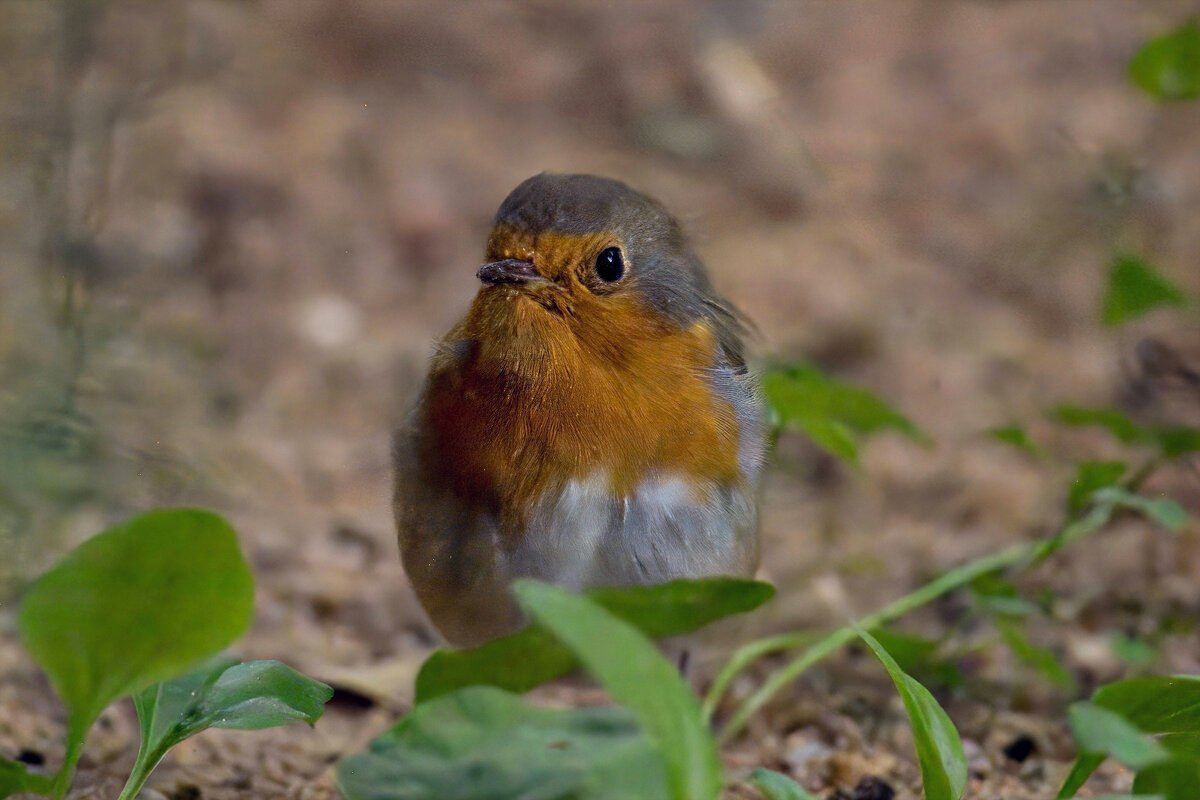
x: 230, y: 233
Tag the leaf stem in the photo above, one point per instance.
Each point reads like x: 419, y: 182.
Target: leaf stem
x: 1095, y: 517
x: 951, y: 580
x: 746, y: 655
x: 77, y: 729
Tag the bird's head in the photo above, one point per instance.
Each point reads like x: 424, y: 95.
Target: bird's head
x: 579, y: 261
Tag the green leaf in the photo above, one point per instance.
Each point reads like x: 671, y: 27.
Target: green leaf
x: 1174, y: 779
x: 1155, y: 704
x: 637, y: 677
x: 482, y: 742
x: 682, y: 606
x: 1090, y: 477
x: 1168, y: 66
x: 262, y: 694
x: 1134, y: 288
x: 834, y: 437
x: 1085, y: 764
x: 222, y: 693
x: 939, y: 748
x: 1177, y: 440
x: 831, y: 412
x: 1182, y: 744
x: 917, y: 656
x: 1017, y: 437
x: 1102, y: 731
x: 15, y: 778
x: 1128, y: 709
x: 777, y: 786
x: 135, y: 604
x: 1120, y: 426
x: 532, y: 656
x: 1163, y: 510
x: 1040, y: 658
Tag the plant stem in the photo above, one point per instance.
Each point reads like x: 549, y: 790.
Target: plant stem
x: 822, y: 649
x: 1095, y: 517
x: 746, y: 655
x: 146, y: 761
x: 77, y: 729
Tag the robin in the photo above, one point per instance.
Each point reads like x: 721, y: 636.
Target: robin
x: 590, y: 422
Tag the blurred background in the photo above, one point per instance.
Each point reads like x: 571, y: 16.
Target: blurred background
x: 231, y: 231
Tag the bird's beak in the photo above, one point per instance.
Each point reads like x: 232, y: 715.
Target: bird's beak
x: 508, y: 270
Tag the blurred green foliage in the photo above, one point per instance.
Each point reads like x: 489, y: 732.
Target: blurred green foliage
x: 1135, y: 288
x: 1168, y: 66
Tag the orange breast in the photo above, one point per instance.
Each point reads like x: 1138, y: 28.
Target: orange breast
x: 541, y: 397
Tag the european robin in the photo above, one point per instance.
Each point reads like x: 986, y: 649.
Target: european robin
x: 590, y: 422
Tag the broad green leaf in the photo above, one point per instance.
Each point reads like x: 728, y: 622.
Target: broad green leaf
x: 682, y: 606
x: 1040, y: 658
x: 15, y: 778
x: 1134, y: 288
x: 1174, y: 779
x: 1155, y: 704
x: 532, y: 656
x: 263, y: 694
x: 1182, y: 744
x: 638, y: 677
x: 939, y: 748
x: 1017, y: 437
x: 518, y: 662
x: 1168, y: 67
x: 135, y: 604
x: 1163, y: 510
x: 482, y: 742
x: 831, y: 412
x: 1101, y: 731
x: 1148, y: 704
x: 222, y: 693
x: 777, y: 786
x: 1120, y: 426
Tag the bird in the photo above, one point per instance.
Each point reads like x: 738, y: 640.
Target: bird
x: 590, y: 422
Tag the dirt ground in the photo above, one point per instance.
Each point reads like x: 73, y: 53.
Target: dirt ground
x: 230, y: 232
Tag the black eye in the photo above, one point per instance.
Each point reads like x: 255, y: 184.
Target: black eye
x: 610, y: 265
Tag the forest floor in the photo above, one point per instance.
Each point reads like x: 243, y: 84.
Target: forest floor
x: 268, y: 212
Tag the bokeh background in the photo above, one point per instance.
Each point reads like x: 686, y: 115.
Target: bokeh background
x: 231, y: 231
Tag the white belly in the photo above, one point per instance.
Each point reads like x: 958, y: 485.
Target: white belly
x: 583, y: 535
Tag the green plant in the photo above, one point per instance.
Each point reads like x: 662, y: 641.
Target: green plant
x: 834, y: 414
x: 141, y: 609
x: 472, y: 731
x: 1168, y: 66
x: 1150, y: 725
